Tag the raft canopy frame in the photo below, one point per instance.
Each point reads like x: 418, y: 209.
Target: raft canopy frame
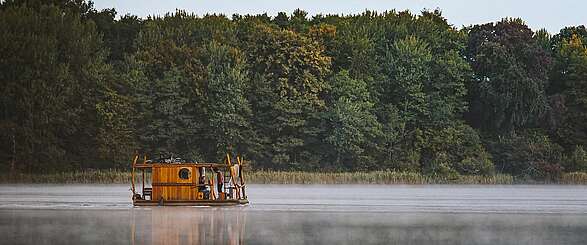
x: 187, y: 184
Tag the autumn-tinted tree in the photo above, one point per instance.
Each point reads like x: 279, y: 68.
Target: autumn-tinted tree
x: 567, y: 33
x: 172, y: 92
x: 569, y: 92
x: 289, y: 70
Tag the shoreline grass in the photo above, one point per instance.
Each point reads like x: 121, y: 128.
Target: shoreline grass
x: 375, y: 177
x: 296, y: 177
x: 108, y: 176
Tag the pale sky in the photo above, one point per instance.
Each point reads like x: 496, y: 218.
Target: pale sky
x: 549, y: 14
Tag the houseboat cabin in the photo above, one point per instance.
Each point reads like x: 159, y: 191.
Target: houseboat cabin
x: 174, y: 181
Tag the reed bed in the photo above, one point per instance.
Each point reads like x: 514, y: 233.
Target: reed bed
x: 375, y: 177
x: 576, y: 178
x: 112, y: 176
x: 109, y: 176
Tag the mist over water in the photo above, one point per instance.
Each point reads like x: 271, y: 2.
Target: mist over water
x: 297, y: 214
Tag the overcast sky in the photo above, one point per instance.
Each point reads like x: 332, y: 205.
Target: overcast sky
x: 549, y: 14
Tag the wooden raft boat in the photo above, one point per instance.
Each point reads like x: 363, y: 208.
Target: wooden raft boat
x: 179, y: 183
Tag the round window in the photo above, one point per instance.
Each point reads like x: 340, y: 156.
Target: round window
x: 184, y: 173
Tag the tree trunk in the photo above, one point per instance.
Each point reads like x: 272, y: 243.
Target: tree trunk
x: 13, y: 161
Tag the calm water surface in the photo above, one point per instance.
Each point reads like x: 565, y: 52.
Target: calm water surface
x: 301, y: 214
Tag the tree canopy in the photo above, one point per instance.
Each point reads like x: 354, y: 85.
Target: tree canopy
x: 85, y: 88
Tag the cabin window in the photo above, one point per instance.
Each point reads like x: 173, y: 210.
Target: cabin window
x: 184, y: 173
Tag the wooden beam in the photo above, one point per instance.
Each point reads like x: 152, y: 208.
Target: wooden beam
x: 143, y: 192
x: 177, y: 184
x: 132, y: 175
x: 173, y: 165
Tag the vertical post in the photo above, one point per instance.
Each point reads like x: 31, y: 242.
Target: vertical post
x: 234, y: 181
x: 144, y: 162
x: 132, y: 175
x: 212, y: 190
x: 143, y: 183
x: 240, y: 175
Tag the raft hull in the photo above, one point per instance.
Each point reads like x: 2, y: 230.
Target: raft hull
x: 191, y: 202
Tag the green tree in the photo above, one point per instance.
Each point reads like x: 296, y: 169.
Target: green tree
x: 352, y: 45
x: 79, y: 7
x: 422, y: 94
x: 454, y: 150
x: 298, y: 21
x: 118, y: 35
x: 281, y: 20
x: 172, y: 85
x: 508, y: 89
x: 169, y: 123
x: 407, y: 70
x: 116, y: 135
x: 577, y: 161
x: 53, y: 61
x: 527, y: 154
x: 117, y: 116
x: 352, y: 125
x: 229, y: 110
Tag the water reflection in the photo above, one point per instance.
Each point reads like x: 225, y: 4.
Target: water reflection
x: 188, y: 225
x: 286, y: 214
x: 413, y: 228
x: 183, y: 225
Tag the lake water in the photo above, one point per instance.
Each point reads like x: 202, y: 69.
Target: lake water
x: 301, y: 214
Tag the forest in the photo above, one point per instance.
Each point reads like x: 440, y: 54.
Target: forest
x: 84, y: 88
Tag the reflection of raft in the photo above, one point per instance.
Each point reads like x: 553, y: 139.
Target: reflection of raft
x: 185, y: 225
x: 180, y: 183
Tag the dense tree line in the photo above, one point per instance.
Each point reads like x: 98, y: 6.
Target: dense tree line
x: 85, y: 88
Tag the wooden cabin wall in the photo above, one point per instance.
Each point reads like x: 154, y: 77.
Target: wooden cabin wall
x: 170, y: 175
